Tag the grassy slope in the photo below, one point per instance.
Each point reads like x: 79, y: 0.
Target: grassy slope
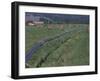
x: 73, y: 51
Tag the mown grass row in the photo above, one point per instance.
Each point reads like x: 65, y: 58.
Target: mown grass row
x: 73, y: 52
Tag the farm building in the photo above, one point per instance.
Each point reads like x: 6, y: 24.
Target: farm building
x: 33, y: 20
x: 32, y: 23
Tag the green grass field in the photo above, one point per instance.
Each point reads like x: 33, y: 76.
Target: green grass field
x: 70, y: 49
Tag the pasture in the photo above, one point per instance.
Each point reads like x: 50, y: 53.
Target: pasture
x: 63, y: 45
